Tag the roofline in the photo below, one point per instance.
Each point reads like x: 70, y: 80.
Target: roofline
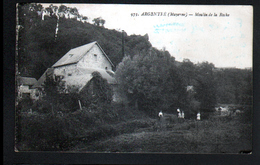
x: 78, y: 59
x: 64, y: 64
x: 95, y: 42
x: 25, y: 77
x: 105, y: 54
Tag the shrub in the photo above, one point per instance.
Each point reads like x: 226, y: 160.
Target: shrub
x: 96, y: 91
x: 43, y: 132
x: 41, y: 106
x: 24, y: 104
x: 68, y: 102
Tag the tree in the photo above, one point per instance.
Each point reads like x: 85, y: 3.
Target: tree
x: 225, y: 90
x: 205, y: 87
x: 102, y: 22
x: 150, y: 81
x: 49, y: 10
x: 97, y: 91
x: 54, y: 9
x: 188, y: 70
x: 234, y: 86
x: 84, y: 18
x: 98, y: 21
x: 73, y: 11
x: 53, y: 89
x: 63, y: 9
x: 139, y: 45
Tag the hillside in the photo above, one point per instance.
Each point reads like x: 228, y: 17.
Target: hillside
x: 40, y: 49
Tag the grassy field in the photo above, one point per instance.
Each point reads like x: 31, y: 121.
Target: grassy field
x: 215, y: 135
x: 121, y: 130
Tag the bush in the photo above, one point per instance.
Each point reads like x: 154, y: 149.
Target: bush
x: 24, y: 104
x: 96, y: 91
x: 45, y: 132
x: 41, y: 106
x: 68, y: 102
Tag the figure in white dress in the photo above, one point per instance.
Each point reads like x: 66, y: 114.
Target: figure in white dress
x: 179, y: 113
x: 160, y: 115
x: 198, y: 116
x: 182, y: 115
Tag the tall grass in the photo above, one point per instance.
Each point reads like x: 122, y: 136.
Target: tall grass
x: 220, y: 135
x: 41, y: 131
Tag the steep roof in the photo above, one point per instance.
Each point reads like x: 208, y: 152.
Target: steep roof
x: 26, y: 80
x: 76, y: 54
x: 41, y: 80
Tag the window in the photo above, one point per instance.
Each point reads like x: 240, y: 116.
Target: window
x: 70, y: 55
x: 95, y: 57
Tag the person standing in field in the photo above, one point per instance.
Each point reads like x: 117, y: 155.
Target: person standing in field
x: 179, y: 113
x: 182, y: 115
x: 198, y: 116
x: 160, y: 115
x: 161, y: 122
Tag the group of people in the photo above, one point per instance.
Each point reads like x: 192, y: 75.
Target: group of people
x: 180, y: 114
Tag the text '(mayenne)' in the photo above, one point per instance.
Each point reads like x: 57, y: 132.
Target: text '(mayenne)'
x: 184, y: 14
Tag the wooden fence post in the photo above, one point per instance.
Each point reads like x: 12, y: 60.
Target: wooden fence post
x: 80, y: 105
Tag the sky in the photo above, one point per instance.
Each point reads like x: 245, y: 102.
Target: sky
x: 196, y: 32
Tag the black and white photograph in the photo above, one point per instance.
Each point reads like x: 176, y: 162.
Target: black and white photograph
x: 134, y: 78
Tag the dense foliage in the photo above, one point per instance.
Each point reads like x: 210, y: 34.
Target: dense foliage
x: 234, y: 86
x: 96, y: 91
x: 157, y: 82
x: 151, y: 80
x: 39, y: 48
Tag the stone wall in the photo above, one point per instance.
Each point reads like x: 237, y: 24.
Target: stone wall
x: 95, y: 59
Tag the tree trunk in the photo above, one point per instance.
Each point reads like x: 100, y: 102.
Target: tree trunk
x: 80, y: 105
x: 57, y: 27
x: 136, y: 104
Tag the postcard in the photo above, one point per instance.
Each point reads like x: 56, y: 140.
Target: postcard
x: 134, y: 78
